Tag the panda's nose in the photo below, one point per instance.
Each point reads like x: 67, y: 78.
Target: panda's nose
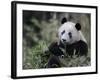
x: 64, y: 40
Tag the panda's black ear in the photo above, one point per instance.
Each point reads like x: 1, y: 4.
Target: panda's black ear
x: 78, y: 26
x: 63, y: 20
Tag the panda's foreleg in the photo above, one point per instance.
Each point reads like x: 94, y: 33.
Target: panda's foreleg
x: 55, y: 49
x: 69, y: 50
x: 83, y: 48
x: 53, y: 62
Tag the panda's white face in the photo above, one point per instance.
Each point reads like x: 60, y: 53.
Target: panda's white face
x: 68, y: 33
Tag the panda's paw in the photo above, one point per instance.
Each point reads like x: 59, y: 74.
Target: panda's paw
x: 55, y: 66
x: 62, y: 56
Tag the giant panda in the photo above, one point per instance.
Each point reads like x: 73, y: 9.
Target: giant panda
x: 71, y: 40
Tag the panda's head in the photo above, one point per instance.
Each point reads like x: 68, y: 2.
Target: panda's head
x: 69, y: 32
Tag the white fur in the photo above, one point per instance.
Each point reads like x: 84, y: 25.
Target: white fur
x: 70, y: 27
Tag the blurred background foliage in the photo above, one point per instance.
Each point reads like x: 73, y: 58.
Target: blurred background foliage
x: 40, y: 30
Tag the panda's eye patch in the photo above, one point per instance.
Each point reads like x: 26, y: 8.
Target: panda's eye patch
x: 62, y: 32
x: 70, y: 34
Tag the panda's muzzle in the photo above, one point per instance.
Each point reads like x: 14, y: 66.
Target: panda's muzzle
x: 64, y: 40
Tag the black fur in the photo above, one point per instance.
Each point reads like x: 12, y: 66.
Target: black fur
x: 53, y: 62
x: 80, y: 48
x: 63, y: 20
x: 78, y: 26
x: 55, y: 49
